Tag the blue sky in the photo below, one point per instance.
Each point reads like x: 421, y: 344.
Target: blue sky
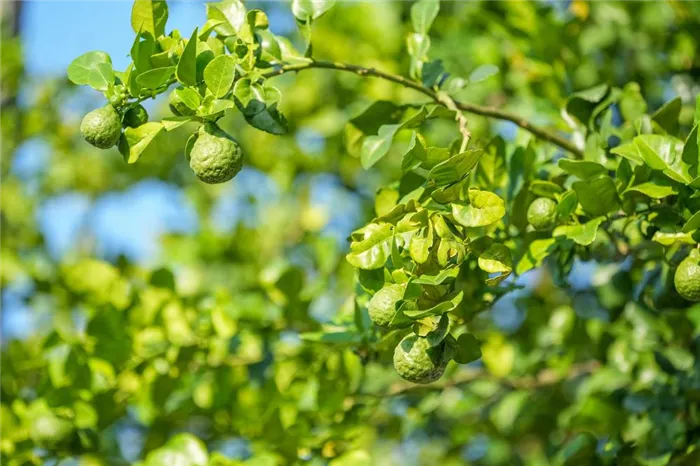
x: 55, y: 32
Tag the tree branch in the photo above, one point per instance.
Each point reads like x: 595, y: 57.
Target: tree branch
x: 466, y: 107
x: 544, y: 378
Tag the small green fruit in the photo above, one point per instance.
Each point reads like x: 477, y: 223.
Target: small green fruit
x: 215, y: 157
x: 382, y: 306
x: 687, y: 277
x: 51, y: 432
x: 418, y: 362
x: 542, y: 214
x: 177, y: 106
x: 135, y: 116
x: 102, y: 127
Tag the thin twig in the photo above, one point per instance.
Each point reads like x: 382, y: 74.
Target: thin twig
x: 467, y: 107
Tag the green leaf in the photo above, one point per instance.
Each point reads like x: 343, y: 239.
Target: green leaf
x: 664, y: 153
x: 581, y: 104
x: 583, y: 234
x: 482, y: 73
x: 189, y: 97
x: 455, y: 168
x: 101, y: 77
x: 484, y: 208
x: 219, y: 75
x: 374, y: 249
x: 597, y: 197
x: 187, y: 66
x: 690, y: 149
x: 135, y: 140
x: 445, y: 306
x: 667, y: 116
x: 149, y: 16
x: 692, y: 224
x: 446, y: 274
x: 269, y: 120
x: 667, y: 239
x: 374, y: 148
x: 653, y: 190
x: 80, y: 69
x: 153, y: 79
x: 629, y: 151
x: 467, y: 350
x: 423, y: 13
x: 536, y: 252
x: 438, y: 334
x: 230, y: 13
x: 306, y: 10
x: 171, y: 123
x: 496, y: 259
x: 583, y: 169
x: 378, y: 113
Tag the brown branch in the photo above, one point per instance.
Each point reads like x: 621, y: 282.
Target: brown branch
x: 466, y: 107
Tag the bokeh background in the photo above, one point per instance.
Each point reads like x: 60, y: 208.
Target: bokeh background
x: 264, y: 253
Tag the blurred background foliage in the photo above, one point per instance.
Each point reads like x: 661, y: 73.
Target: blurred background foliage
x: 140, y: 306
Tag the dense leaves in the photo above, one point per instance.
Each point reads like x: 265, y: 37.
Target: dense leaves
x: 568, y: 338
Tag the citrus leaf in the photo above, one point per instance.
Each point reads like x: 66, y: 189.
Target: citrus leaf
x: 583, y: 234
x: 149, y: 16
x: 80, y: 69
x: 484, y: 208
x: 135, y: 140
x: 187, y: 66
x: 219, y: 75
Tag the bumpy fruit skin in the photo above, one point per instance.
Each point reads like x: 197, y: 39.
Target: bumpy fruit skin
x: 51, y: 432
x: 101, y: 127
x: 542, y: 214
x: 215, y: 157
x: 382, y: 306
x: 177, y: 106
x: 416, y: 361
x: 687, y: 277
x: 135, y: 116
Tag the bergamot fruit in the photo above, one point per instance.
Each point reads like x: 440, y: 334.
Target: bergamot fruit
x: 135, y: 116
x: 542, y: 214
x: 215, y: 156
x: 687, y: 277
x: 418, y: 362
x: 51, y: 432
x: 382, y: 306
x: 101, y: 127
x: 177, y: 106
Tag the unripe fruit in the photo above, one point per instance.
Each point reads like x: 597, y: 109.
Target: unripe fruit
x: 177, y: 106
x: 101, y: 127
x: 542, y: 214
x: 215, y: 157
x: 687, y: 277
x: 135, y: 116
x: 418, y: 362
x: 382, y: 306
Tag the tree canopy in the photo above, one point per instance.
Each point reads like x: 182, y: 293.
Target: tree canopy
x: 424, y: 233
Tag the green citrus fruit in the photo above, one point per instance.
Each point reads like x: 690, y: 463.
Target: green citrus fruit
x: 542, y: 213
x: 135, y: 116
x: 687, y: 277
x: 215, y: 157
x: 177, y: 106
x: 418, y: 362
x: 382, y: 306
x: 51, y: 432
x: 102, y: 127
